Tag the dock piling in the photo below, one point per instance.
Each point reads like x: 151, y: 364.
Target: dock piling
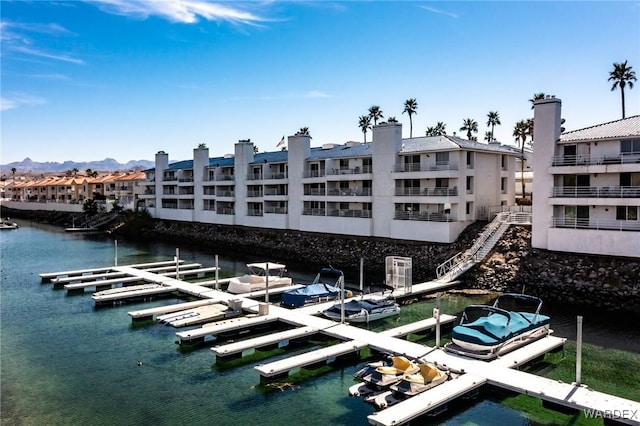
x: 579, y: 352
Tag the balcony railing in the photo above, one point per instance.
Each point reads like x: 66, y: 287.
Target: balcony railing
x: 598, y: 224
x: 314, y: 212
x: 226, y: 193
x: 344, y: 171
x: 254, y: 176
x: 314, y: 191
x: 275, y: 210
x: 313, y: 173
x: 275, y: 175
x: 428, y: 192
x: 186, y: 179
x: 350, y: 213
x: 344, y: 192
x: 254, y: 212
x: 416, y: 167
x: 582, y: 160
x: 225, y: 177
x: 227, y: 211
x: 424, y: 216
x: 169, y: 178
x: 596, y: 191
x: 254, y: 193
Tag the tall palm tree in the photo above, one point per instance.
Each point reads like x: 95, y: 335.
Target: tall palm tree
x: 470, y: 126
x: 493, y: 119
x: 622, y: 76
x: 375, y: 113
x: 488, y: 136
x: 521, y: 131
x: 410, y: 107
x: 364, y: 121
x: 304, y: 131
x: 13, y: 171
x: 431, y: 131
x: 441, y: 128
x: 537, y: 96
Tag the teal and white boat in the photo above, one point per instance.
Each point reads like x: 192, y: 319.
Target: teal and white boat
x: 486, y: 332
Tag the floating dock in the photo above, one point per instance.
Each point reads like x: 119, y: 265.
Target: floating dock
x: 47, y: 277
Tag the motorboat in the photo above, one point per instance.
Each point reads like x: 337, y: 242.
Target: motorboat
x: 259, y: 275
x: 6, y: 224
x: 380, y: 375
x: 324, y: 287
x: 486, y: 332
x: 364, y: 309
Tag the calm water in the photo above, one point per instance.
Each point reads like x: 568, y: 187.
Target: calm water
x: 63, y: 362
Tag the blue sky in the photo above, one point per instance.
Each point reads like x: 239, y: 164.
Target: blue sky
x: 86, y: 80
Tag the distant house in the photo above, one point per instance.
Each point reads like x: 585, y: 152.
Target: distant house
x: 425, y: 189
x: 586, y: 186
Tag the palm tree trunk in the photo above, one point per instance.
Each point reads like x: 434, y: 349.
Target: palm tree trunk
x: 522, y: 169
x: 622, y: 92
x: 410, y: 127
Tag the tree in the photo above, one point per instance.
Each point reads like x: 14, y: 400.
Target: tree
x: 303, y: 131
x: 410, y: 107
x: 13, y: 171
x: 493, y: 119
x: 470, y: 126
x: 90, y: 207
x: 202, y: 145
x: 622, y: 76
x: 392, y: 120
x: 488, y: 136
x: 364, y: 121
x: 536, y: 96
x: 441, y: 128
x: 521, y: 131
x: 255, y: 149
x: 375, y: 113
x: 91, y: 173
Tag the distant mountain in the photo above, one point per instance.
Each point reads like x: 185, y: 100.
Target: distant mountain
x: 107, y: 165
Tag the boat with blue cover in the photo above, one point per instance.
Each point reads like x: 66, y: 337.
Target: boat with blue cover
x: 324, y: 287
x: 486, y: 332
x: 364, y: 309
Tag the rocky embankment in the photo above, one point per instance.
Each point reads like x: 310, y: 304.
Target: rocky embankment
x: 574, y: 279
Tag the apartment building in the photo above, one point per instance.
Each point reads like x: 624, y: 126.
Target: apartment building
x: 425, y: 189
x: 586, y: 186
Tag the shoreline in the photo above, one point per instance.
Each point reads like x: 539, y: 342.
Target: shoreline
x: 584, y: 282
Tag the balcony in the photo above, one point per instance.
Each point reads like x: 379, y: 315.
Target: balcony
x: 314, y: 191
x: 253, y: 194
x: 254, y: 212
x: 428, y: 192
x: 349, y: 192
x: 275, y: 210
x: 595, y: 224
x: 580, y: 160
x: 314, y: 212
x: 313, y: 173
x: 350, y: 213
x: 596, y: 191
x: 344, y: 171
x: 424, y: 216
x: 225, y: 177
x: 275, y: 175
x: 417, y: 167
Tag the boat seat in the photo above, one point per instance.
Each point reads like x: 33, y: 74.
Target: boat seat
x: 399, y: 366
x: 428, y: 372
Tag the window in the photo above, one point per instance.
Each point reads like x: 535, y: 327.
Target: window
x: 630, y: 147
x: 470, y: 184
x: 503, y: 162
x: 627, y: 213
x: 469, y: 203
x: 469, y: 160
x: 344, y: 164
x: 366, y: 165
x: 412, y: 163
x: 503, y: 185
x: 442, y: 158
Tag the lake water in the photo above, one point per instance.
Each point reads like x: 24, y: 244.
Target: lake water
x: 64, y: 362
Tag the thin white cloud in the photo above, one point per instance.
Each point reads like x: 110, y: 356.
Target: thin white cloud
x: 440, y: 12
x: 15, y: 39
x: 54, y: 77
x: 317, y: 94
x: 43, y: 54
x: 18, y: 100
x: 182, y: 11
x: 312, y: 94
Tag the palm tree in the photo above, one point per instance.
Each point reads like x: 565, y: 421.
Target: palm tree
x: 488, y: 136
x: 364, y: 121
x: 493, y: 119
x: 521, y: 131
x: 622, y: 75
x: 441, y: 128
x: 304, y: 131
x: 392, y: 120
x: 375, y: 113
x: 537, y: 96
x: 410, y: 107
x: 13, y: 171
x: 470, y: 126
x: 202, y: 145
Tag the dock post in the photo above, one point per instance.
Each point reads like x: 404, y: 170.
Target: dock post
x: 177, y: 263
x: 342, y: 299
x: 361, y: 273
x: 436, y: 315
x: 217, y: 285
x: 115, y: 260
x: 266, y: 292
x: 579, y: 352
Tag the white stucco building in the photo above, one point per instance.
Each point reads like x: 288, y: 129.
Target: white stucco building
x: 424, y: 189
x: 587, y: 185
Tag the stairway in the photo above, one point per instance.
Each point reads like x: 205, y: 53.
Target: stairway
x: 455, y: 266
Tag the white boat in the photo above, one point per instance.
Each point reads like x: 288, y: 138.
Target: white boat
x: 364, y: 309
x: 6, y: 224
x: 256, y: 279
x: 486, y: 332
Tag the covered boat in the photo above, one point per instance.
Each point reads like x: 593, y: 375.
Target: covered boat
x: 325, y: 287
x: 486, y: 332
x: 365, y: 309
x: 257, y: 278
